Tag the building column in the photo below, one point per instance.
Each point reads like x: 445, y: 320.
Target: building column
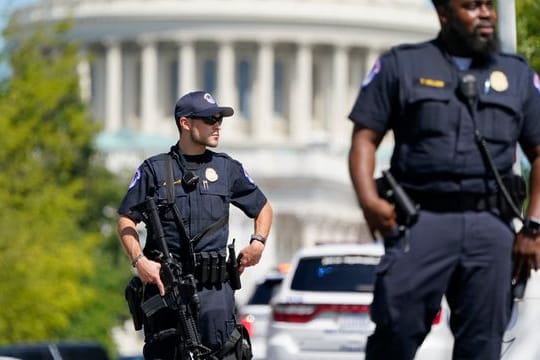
x: 264, y: 99
x: 301, y: 102
x: 113, y: 119
x: 85, y: 79
x: 339, y: 111
x: 149, y: 63
x: 187, y: 67
x: 226, y: 89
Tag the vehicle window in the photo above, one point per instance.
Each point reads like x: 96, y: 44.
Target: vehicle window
x: 76, y: 351
x: 82, y: 353
x: 264, y: 292
x: 335, y: 273
x: 32, y: 353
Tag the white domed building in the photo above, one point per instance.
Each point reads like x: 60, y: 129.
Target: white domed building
x: 290, y: 68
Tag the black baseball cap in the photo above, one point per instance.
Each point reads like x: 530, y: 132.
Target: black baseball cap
x: 200, y: 103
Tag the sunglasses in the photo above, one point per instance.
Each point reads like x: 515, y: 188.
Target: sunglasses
x: 209, y: 120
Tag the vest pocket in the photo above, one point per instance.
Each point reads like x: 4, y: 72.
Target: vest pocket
x: 428, y: 113
x: 499, y: 118
x: 214, y: 199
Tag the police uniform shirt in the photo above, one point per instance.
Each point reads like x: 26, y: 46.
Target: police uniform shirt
x: 222, y: 181
x: 412, y: 89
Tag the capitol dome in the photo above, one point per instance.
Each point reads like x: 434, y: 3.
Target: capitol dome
x: 290, y: 68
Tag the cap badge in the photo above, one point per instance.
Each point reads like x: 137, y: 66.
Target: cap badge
x: 498, y: 81
x: 209, y: 98
x: 211, y: 174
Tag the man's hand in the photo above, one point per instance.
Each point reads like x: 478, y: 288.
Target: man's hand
x: 148, y: 271
x: 380, y: 216
x: 526, y: 255
x: 250, y: 255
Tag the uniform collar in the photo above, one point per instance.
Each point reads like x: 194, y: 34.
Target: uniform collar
x: 190, y: 160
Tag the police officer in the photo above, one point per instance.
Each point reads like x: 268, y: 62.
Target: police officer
x: 205, y: 183
x: 461, y: 245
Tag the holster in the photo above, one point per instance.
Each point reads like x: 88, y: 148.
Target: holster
x: 517, y: 188
x: 134, y: 298
x: 238, y: 345
x: 232, y: 268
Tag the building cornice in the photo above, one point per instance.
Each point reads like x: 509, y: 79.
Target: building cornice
x: 278, y: 19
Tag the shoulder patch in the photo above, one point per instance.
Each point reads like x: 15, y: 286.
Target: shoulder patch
x: 247, y: 176
x: 536, y: 82
x: 135, y: 179
x: 373, y: 72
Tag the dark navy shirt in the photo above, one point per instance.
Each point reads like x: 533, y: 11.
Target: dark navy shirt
x: 222, y: 181
x: 413, y: 91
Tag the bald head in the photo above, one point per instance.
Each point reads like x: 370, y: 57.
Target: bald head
x: 437, y: 3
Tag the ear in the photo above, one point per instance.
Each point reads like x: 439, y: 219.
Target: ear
x: 443, y: 14
x: 184, y: 123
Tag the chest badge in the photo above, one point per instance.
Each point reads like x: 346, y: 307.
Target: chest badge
x: 211, y: 174
x: 498, y: 81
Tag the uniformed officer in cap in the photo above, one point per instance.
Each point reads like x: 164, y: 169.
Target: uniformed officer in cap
x: 462, y: 244
x: 205, y: 184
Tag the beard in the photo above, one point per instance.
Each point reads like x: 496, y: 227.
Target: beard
x: 475, y: 45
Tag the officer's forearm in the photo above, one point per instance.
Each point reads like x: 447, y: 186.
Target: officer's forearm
x: 534, y: 183
x: 263, y: 221
x: 129, y: 237
x: 362, y: 164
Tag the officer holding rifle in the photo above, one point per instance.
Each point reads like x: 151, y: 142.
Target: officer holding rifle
x: 191, y: 188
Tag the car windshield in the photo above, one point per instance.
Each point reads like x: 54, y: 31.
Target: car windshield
x: 351, y: 273
x: 264, y: 291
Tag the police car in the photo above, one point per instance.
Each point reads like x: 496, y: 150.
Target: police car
x: 322, y: 309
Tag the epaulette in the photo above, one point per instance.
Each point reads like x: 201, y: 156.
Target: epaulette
x: 227, y: 157
x: 220, y: 154
x: 412, y: 46
x: 157, y: 157
x: 513, y: 56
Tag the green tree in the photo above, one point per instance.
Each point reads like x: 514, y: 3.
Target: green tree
x: 60, y: 277
x: 528, y: 30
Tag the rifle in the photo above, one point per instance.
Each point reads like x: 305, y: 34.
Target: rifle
x: 180, y: 291
x: 389, y: 189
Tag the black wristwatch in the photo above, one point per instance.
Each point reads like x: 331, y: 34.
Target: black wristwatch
x: 259, y: 238
x: 531, y: 225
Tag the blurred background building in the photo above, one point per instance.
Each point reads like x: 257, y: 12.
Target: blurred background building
x: 290, y: 68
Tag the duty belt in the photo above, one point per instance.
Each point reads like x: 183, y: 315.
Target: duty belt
x: 456, y: 201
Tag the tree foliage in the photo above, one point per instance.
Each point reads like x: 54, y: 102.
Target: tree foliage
x: 60, y: 277
x: 528, y: 29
